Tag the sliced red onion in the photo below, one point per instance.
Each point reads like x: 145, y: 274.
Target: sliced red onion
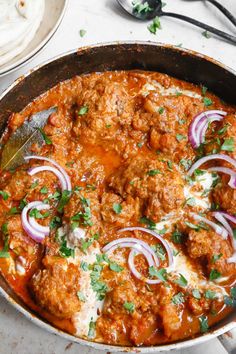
x: 161, y: 239
x: 218, y: 229
x: 197, y: 127
x: 130, y: 242
x: 205, y: 159
x: 53, y: 162
x: 222, y: 217
x: 227, y: 171
x: 34, y: 170
x: 44, y: 229
x: 36, y: 235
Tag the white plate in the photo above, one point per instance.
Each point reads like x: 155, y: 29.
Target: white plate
x: 53, y: 15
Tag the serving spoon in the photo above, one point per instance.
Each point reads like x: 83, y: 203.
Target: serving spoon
x: 220, y: 7
x: 155, y: 9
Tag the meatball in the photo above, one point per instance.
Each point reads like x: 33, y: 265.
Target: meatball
x: 129, y: 209
x: 159, y: 189
x: 207, y: 244
x: 55, y: 287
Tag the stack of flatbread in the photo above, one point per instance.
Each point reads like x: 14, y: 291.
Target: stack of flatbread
x: 19, y: 21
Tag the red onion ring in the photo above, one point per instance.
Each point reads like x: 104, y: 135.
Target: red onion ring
x: 218, y: 229
x: 34, y: 170
x: 130, y: 242
x: 197, y: 129
x: 33, y: 233
x: 161, y: 239
x: 221, y: 216
x: 227, y: 171
x: 44, y: 229
x: 53, y: 162
x: 226, y: 158
x: 132, y: 255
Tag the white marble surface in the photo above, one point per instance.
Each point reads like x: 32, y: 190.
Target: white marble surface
x: 104, y: 22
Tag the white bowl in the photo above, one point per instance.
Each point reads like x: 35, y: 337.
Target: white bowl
x: 53, y: 15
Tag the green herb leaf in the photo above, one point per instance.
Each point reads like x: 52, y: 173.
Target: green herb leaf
x: 44, y: 190
x: 84, y: 266
x: 65, y: 197
x: 4, y: 195
x: 207, y: 101
x: 181, y: 281
x: 196, y: 294
x: 154, y: 172
x: 129, y: 306
x: 155, y: 25
x: 161, y: 110
x: 228, y: 145
x: 82, y: 33
x: 117, y: 208
x: 160, y: 251
x: 83, y: 110
x: 203, y: 321
x: 35, y: 213
x: 210, y: 295
x: 206, y: 34
x: 4, y: 252
x: 216, y: 257
x: 204, y: 90
x: 214, y: 274
x: 151, y: 224
x: 160, y: 273
x: 180, y: 137
x: 177, y: 237
x: 178, y: 299
x: 92, y: 329
x: 115, y: 267
x: 81, y: 296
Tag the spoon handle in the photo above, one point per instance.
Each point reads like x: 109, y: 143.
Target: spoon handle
x: 226, y: 12
x: 208, y: 28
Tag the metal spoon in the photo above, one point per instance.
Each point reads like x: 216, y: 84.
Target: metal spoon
x: 226, y: 12
x: 155, y: 9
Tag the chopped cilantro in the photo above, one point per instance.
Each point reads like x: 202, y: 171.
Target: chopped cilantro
x: 178, y: 299
x: 214, y: 274
x: 65, y: 197
x: 81, y: 296
x: 154, y: 172
x: 14, y: 210
x: 203, y: 321
x: 84, y: 266
x: 177, y: 237
x: 210, y: 295
x: 206, y: 34
x: 186, y: 163
x: 192, y: 226
x: 92, y: 329
x: 34, y: 184
x: 160, y: 251
x: 228, y: 145
x: 140, y: 7
x: 216, y: 257
x: 181, y: 281
x: 190, y: 201
x: 4, y: 195
x: 170, y: 164
x: 161, y: 110
x: 83, y: 110
x: 35, y: 213
x: 151, y: 224
x: 115, y: 267
x: 55, y: 222
x: 44, y: 190
x: 82, y: 33
x: 129, y: 306
x: 196, y: 294
x: 207, y: 101
x: 117, y: 208
x: 204, y: 90
x: 155, y: 25
x: 160, y: 273
x: 180, y: 137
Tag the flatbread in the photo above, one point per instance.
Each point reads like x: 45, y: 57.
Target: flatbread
x: 19, y: 21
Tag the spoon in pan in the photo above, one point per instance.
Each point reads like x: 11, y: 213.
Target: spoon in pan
x: 153, y: 8
x: 226, y: 12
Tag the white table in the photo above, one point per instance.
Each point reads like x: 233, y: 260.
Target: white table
x: 105, y: 22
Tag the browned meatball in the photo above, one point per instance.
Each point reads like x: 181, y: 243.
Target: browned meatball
x: 129, y: 209
x: 55, y: 287
x: 159, y: 189
x: 207, y: 244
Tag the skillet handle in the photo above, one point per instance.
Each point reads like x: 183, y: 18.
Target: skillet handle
x: 228, y: 340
